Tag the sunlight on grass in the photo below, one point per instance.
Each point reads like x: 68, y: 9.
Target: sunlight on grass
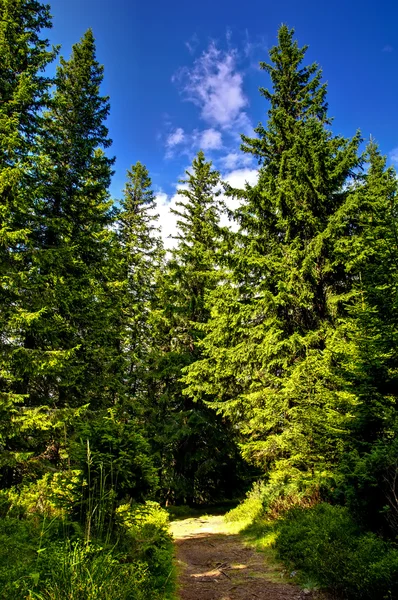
x: 261, y: 536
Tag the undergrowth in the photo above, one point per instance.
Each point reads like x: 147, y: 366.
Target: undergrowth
x: 326, y: 544
x: 50, y: 558
x: 320, y: 544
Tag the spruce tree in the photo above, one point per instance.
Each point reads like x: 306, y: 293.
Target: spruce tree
x: 120, y: 436
x: 74, y: 216
x: 266, y: 364
x: 365, y: 234
x: 198, y: 458
x: 141, y: 258
x: 24, y: 54
x: 65, y: 352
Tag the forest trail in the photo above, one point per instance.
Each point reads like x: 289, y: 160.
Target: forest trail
x: 215, y: 564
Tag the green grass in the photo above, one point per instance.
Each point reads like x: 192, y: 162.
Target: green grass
x: 262, y: 536
x: 51, y: 551
x: 38, y: 561
x: 322, y: 546
x: 326, y: 545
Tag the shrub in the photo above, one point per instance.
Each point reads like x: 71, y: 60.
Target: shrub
x: 144, y: 531
x: 273, y: 498
x: 19, y: 541
x: 326, y: 544
x: 40, y: 560
x: 50, y: 496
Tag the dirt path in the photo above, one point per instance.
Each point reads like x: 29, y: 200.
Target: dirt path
x: 215, y: 565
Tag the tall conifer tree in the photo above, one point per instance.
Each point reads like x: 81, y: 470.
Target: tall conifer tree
x: 141, y: 258
x: 24, y: 54
x: 65, y: 355
x: 197, y: 453
x: 266, y: 366
x: 73, y: 232
x: 365, y: 235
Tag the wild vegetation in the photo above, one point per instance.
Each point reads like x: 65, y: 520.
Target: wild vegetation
x: 132, y: 378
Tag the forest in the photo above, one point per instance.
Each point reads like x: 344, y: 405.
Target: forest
x: 259, y: 359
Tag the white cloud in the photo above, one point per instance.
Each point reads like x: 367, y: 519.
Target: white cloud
x: 214, y: 83
x: 167, y: 220
x: 175, y: 138
x: 239, y: 178
x: 243, y: 125
x: 188, y: 144
x: 161, y: 198
x: 210, y: 139
x: 394, y: 156
x: 233, y: 160
x: 216, y: 87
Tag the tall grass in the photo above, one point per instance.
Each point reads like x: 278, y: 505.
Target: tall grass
x: 108, y: 553
x: 89, y: 572
x: 100, y: 501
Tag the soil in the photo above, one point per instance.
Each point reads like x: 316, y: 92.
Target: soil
x: 215, y: 564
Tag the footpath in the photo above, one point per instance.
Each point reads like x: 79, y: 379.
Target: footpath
x: 214, y: 564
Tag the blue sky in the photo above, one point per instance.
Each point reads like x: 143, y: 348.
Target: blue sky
x: 184, y: 75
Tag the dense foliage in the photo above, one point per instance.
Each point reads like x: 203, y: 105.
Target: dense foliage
x: 329, y: 547
x: 130, y: 376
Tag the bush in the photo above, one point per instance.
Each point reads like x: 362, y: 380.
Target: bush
x: 19, y: 541
x: 50, y: 496
x: 327, y: 545
x: 38, y: 561
x: 144, y: 531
